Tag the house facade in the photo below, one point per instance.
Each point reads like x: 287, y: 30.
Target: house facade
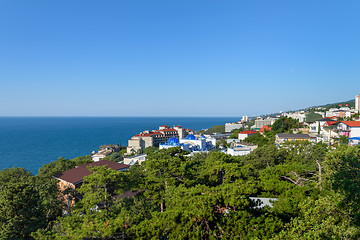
x: 244, y: 134
x: 284, y: 137
x: 318, y: 126
x: 349, y: 128
x: 259, y: 123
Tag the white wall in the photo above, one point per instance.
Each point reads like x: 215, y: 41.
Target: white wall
x: 355, y: 132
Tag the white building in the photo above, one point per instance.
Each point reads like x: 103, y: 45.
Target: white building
x: 232, y: 126
x: 357, y: 103
x: 300, y: 116
x: 104, y: 150
x: 191, y: 143
x: 100, y: 155
x: 155, y: 137
x: 241, y: 149
x: 341, y: 112
x: 314, y: 127
x: 135, y: 159
x: 244, y: 134
x: 259, y: 123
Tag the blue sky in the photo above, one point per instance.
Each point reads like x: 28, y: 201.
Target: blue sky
x: 176, y: 58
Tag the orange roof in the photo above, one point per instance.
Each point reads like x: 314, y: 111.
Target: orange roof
x: 165, y: 126
x: 168, y: 130
x: 332, y: 118
x: 329, y: 123
x: 265, y: 127
x: 148, y: 134
x: 248, y: 132
x: 352, y: 123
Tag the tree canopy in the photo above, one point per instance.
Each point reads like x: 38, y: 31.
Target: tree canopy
x: 173, y: 195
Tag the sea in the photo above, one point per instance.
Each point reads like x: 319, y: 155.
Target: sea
x: 31, y: 142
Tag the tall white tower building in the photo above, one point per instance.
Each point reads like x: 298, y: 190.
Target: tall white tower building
x: 357, y: 103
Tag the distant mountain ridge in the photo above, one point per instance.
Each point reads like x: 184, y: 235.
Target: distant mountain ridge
x: 350, y: 103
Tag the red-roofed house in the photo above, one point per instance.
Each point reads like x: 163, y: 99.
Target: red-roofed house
x: 262, y: 130
x: 73, y: 178
x: 349, y: 128
x: 244, y: 134
x: 318, y: 126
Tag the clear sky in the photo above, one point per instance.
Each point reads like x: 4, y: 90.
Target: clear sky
x: 176, y: 58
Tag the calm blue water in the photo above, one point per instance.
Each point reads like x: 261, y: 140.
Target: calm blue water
x: 30, y: 142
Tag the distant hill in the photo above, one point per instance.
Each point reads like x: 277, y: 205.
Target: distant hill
x: 214, y: 129
x: 350, y: 103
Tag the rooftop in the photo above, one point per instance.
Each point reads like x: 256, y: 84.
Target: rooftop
x: 352, y: 123
x: 297, y: 136
x: 76, y: 175
x: 248, y: 132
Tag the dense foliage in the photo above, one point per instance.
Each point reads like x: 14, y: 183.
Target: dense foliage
x: 205, y: 196
x: 312, y: 117
x: 284, y: 124
x: 214, y: 129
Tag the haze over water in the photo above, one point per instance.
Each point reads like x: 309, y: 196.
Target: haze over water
x: 31, y: 142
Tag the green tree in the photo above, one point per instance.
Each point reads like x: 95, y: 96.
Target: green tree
x: 163, y: 169
x: 235, y: 133
x: 321, y: 219
x: 342, y: 174
x: 99, y: 187
x: 284, y: 124
x: 344, y: 139
x: 215, y: 129
x: 258, y: 139
x: 20, y: 206
x: 115, y: 157
x: 209, y: 213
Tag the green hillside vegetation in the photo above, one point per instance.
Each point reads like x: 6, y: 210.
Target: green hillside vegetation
x: 312, y: 117
x: 214, y: 129
x: 206, y: 196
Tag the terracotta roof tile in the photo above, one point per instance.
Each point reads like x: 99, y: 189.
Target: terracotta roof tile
x: 248, y: 132
x: 169, y: 130
x: 77, y: 174
x: 352, y: 123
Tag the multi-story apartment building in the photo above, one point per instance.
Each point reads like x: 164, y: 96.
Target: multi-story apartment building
x: 259, y: 123
x: 155, y: 137
x: 357, y: 103
x: 231, y: 126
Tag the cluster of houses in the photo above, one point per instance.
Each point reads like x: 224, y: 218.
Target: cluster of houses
x: 327, y: 129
